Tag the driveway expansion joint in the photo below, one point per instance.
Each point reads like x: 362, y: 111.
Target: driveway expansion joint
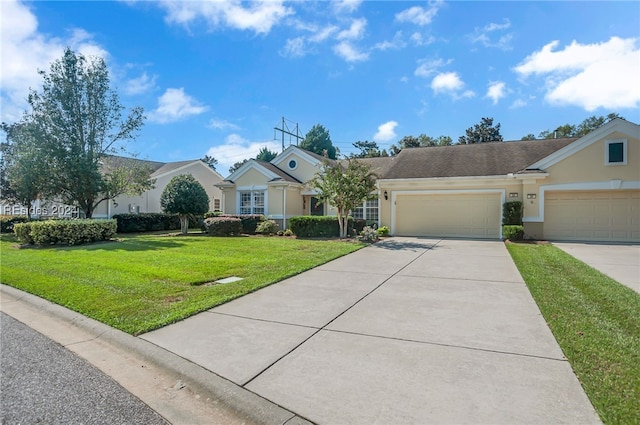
x: 265, y: 320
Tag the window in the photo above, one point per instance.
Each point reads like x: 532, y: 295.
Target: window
x: 252, y: 202
x: 368, y: 211
x: 216, y: 205
x: 616, y: 152
x: 293, y: 164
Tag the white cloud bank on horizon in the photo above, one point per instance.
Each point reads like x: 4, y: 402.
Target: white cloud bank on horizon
x: 235, y: 148
x: 591, y: 76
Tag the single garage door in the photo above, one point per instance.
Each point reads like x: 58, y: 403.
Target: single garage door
x: 608, y: 215
x: 448, y: 215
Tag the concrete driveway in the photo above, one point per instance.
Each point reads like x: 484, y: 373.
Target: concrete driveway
x: 618, y: 261
x: 404, y: 331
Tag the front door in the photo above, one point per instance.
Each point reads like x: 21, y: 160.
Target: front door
x: 316, y: 207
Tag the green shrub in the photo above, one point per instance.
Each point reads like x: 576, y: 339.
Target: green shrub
x: 223, y: 226
x: 368, y: 234
x: 267, y: 227
x: 65, y: 232
x: 288, y: 232
x: 149, y: 222
x: 512, y: 213
x: 249, y: 221
x: 513, y: 232
x: 7, y: 222
x: 311, y: 226
x: 383, y: 231
x: 212, y: 214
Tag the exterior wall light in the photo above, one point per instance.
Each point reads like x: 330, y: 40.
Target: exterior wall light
x: 513, y: 194
x: 531, y: 196
x: 386, y: 195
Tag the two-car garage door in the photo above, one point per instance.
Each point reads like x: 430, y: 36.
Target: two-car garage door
x: 469, y: 215
x: 612, y: 215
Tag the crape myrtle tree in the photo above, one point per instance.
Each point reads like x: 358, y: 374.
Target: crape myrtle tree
x: 344, y: 185
x: 79, y: 123
x: 184, y: 196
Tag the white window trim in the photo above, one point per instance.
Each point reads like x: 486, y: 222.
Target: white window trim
x: 295, y: 162
x: 252, y: 191
x: 606, y: 151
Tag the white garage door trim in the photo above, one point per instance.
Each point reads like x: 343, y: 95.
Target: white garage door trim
x: 395, y: 193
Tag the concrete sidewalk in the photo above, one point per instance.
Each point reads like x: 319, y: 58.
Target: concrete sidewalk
x: 405, y: 331
x: 621, y: 262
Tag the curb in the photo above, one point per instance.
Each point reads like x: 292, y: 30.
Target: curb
x: 250, y: 406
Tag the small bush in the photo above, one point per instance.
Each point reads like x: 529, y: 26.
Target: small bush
x: 249, y: 221
x: 223, y: 226
x: 65, y: 232
x: 7, y: 222
x: 513, y: 232
x: 212, y: 214
x: 368, y: 234
x: 383, y: 231
x: 280, y: 233
x: 288, y: 232
x: 267, y: 227
x: 512, y: 213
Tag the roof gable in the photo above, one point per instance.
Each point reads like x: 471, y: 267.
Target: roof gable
x: 252, y: 164
x: 310, y: 157
x: 617, y: 125
x: 174, y: 167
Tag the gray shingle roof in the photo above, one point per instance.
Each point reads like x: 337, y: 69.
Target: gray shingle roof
x: 281, y: 174
x: 482, y: 159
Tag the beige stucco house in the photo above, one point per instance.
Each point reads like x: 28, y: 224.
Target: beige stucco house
x: 149, y: 201
x: 572, y: 189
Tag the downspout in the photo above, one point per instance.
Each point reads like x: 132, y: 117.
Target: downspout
x: 284, y: 207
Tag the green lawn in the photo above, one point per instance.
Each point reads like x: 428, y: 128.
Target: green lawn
x: 596, y: 322
x: 143, y: 282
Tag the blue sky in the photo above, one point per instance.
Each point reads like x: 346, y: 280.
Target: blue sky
x: 216, y: 77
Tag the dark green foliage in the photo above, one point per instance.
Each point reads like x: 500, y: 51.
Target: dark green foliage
x: 317, y: 140
x: 212, y: 214
x: 512, y: 213
x: 7, y: 222
x: 223, y: 226
x: 149, y: 222
x: 249, y: 221
x: 185, y: 196
x: 308, y: 226
x: 210, y: 161
x: 65, y: 232
x: 483, y: 132
x: 513, y: 232
x: 266, y: 155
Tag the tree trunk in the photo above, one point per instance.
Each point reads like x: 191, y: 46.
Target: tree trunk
x: 184, y: 224
x: 343, y: 221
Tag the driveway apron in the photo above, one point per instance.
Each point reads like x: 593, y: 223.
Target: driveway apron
x: 408, y: 330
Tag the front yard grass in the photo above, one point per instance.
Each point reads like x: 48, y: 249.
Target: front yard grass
x: 596, y: 322
x: 143, y: 282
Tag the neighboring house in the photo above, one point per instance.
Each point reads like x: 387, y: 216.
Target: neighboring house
x: 572, y: 189
x: 149, y: 201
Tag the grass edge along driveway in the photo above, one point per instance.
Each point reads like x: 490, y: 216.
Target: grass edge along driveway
x: 143, y: 282
x: 596, y: 322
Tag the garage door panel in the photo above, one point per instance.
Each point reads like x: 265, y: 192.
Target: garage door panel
x: 593, y: 215
x: 454, y: 215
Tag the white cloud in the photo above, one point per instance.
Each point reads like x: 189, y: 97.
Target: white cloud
x: 349, y: 53
x: 518, y: 103
x: 496, y: 91
x: 259, y: 15
x: 355, y: 31
x: 396, y: 43
x: 427, y: 68
x: 419, y: 40
x: 175, y: 105
x: 484, y: 35
x: 340, y: 6
x: 220, y: 124
x: 235, y: 148
x: 294, y: 48
x: 591, y: 76
x: 139, y: 85
x: 451, y: 84
x: 386, y: 132
x: 419, y: 15
x: 322, y: 34
x: 25, y: 51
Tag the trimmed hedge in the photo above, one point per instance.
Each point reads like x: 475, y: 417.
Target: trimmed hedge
x: 223, y: 226
x: 513, y: 232
x: 249, y: 221
x: 149, y: 222
x: 7, y: 222
x: 512, y: 213
x: 66, y: 232
x: 311, y: 226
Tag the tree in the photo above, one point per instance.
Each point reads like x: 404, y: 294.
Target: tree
x: 405, y: 142
x: 23, y: 175
x: 585, y: 127
x: 210, y: 161
x: 529, y: 136
x: 184, y: 195
x: 368, y: 150
x: 421, y: 141
x: 266, y: 155
x: 483, y: 132
x: 317, y: 140
x: 344, y: 187
x: 78, y: 120
x: 237, y: 165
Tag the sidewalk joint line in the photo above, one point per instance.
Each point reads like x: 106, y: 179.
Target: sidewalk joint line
x: 264, y: 320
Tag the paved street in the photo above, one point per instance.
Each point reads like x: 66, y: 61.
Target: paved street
x: 44, y: 383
